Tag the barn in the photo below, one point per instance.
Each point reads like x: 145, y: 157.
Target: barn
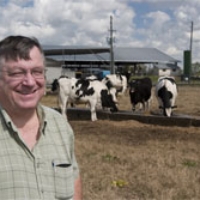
x: 166, y: 69
x: 75, y: 61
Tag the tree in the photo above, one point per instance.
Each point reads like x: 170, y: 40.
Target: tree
x: 196, y: 68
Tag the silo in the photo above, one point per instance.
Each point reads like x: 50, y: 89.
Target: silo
x: 187, y: 63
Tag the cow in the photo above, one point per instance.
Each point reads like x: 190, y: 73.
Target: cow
x: 92, y: 92
x: 166, y: 94
x: 140, y: 93
x: 116, y: 80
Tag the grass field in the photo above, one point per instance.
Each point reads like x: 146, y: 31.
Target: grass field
x: 129, y: 160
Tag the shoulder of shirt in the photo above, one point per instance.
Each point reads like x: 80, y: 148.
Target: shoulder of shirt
x: 49, y: 112
x: 53, y: 115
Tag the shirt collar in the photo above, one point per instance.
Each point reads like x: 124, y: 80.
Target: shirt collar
x: 42, y: 118
x: 7, y: 119
x: 10, y: 124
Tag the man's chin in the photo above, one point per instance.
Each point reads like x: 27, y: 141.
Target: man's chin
x: 27, y: 106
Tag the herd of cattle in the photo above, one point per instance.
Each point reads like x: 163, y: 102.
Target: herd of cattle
x: 102, y: 94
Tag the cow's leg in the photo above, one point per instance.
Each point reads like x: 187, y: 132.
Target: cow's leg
x: 93, y: 110
x: 72, y: 104
x: 173, y: 106
x: 148, y: 103
x: 173, y: 101
x: 87, y: 105
x: 141, y: 106
x: 63, y: 104
x: 133, y: 107
x: 99, y: 105
x: 144, y: 106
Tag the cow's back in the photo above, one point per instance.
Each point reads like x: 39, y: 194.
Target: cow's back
x: 166, y: 93
x: 168, y: 84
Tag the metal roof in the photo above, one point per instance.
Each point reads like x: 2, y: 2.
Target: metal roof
x: 72, y: 50
x: 122, y: 55
x: 142, y: 55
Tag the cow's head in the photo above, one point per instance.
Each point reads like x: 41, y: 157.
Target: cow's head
x: 167, y: 111
x: 133, y: 85
x: 107, y: 101
x: 113, y: 93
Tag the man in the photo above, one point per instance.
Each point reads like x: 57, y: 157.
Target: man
x: 36, y: 143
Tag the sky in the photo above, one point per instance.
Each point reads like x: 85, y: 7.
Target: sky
x: 162, y: 24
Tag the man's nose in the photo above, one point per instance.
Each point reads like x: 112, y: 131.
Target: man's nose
x: 28, y: 78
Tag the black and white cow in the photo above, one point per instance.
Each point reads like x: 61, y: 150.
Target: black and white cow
x: 140, y: 92
x: 116, y: 80
x: 92, y: 92
x: 166, y: 93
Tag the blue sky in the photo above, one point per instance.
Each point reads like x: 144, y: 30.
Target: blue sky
x: 161, y: 24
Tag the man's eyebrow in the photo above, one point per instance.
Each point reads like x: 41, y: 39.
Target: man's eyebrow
x: 22, y: 68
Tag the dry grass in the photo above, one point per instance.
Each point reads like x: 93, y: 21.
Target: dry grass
x: 129, y: 160
x: 153, y: 162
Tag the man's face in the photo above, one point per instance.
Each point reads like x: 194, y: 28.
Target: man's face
x: 22, y: 82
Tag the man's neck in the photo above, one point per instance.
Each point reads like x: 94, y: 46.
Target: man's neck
x: 28, y: 125
x: 23, y: 117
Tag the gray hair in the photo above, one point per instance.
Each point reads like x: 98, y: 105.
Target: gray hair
x: 13, y: 48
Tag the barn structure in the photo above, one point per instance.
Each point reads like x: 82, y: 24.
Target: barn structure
x: 79, y: 60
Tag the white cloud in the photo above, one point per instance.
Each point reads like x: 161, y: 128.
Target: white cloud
x: 159, y: 18
x: 163, y: 24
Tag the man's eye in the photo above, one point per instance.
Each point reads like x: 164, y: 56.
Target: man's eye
x: 37, y: 72
x: 16, y: 74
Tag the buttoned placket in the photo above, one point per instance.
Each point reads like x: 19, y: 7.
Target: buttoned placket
x: 39, y: 164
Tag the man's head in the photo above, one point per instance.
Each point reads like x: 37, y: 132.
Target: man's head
x: 22, y: 73
x: 13, y: 48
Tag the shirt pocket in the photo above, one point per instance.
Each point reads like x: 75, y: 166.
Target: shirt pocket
x: 63, y: 179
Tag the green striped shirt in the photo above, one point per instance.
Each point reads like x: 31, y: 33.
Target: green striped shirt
x: 47, y: 171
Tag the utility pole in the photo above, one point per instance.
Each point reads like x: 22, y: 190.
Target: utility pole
x: 191, y: 36
x: 188, y: 56
x: 111, y: 40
